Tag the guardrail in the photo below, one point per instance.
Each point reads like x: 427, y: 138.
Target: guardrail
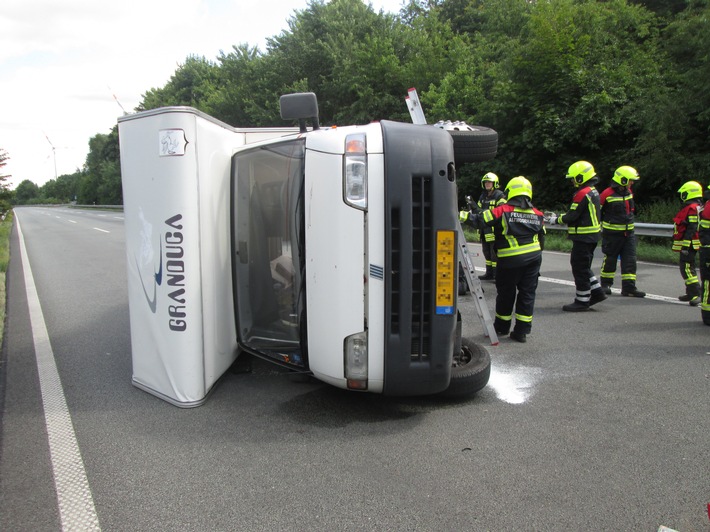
x: 103, y: 207
x: 642, y: 229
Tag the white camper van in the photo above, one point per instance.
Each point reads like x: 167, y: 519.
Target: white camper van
x: 330, y: 251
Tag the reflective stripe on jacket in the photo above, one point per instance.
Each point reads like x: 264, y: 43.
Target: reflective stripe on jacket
x: 486, y: 202
x: 704, y: 226
x: 617, y: 210
x: 685, y: 227
x: 517, y: 233
x: 582, y: 219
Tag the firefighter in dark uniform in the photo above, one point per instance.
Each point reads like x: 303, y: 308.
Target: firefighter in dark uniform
x: 618, y: 238
x: 704, y: 255
x: 519, y: 238
x: 491, y: 197
x: 583, y: 230
x: 685, y: 239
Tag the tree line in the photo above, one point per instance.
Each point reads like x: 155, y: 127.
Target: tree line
x: 616, y: 82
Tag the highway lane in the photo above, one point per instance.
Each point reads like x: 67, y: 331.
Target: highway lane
x: 600, y: 421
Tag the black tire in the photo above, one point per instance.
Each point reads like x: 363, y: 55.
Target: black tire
x: 470, y: 371
x: 474, y: 145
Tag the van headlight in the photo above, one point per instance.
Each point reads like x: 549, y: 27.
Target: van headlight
x: 355, y: 171
x: 355, y: 351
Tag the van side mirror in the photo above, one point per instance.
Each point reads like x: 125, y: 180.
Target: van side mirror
x: 300, y: 106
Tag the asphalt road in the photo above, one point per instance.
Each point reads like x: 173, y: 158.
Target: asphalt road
x: 601, y: 421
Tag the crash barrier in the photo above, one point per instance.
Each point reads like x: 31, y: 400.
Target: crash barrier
x: 98, y: 207
x: 641, y: 229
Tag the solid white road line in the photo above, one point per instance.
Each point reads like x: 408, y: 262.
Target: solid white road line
x: 76, y: 505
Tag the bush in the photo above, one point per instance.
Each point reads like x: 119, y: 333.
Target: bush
x: 659, y: 212
x: 5, y: 228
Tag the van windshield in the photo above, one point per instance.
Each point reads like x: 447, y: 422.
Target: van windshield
x: 267, y: 244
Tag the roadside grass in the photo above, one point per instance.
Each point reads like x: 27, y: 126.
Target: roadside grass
x: 5, y: 229
x: 648, y: 249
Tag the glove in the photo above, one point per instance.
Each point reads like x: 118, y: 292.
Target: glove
x: 463, y: 216
x: 550, y: 218
x: 684, y: 252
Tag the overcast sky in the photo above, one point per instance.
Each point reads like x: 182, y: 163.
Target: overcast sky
x: 68, y: 66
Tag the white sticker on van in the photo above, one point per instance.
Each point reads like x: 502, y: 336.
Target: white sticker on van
x: 171, y: 142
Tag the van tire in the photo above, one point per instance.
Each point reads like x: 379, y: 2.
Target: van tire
x: 474, y: 145
x: 470, y: 371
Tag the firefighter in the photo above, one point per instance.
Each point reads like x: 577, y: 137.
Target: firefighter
x: 519, y: 238
x: 491, y: 197
x: 704, y: 255
x: 618, y: 238
x: 583, y: 230
x: 685, y: 239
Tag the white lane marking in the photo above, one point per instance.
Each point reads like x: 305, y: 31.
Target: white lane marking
x: 76, y: 505
x: 615, y: 290
x: 552, y: 280
x: 73, y: 221
x: 102, y: 230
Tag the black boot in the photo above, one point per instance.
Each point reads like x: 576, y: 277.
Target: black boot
x: 632, y: 291
x: 606, y: 288
x: 598, y: 296
x: 518, y: 336
x: 501, y: 326
x: 576, y: 306
x: 489, y: 275
x: 692, y: 294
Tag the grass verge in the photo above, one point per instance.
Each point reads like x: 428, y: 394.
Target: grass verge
x: 5, y: 229
x: 649, y: 249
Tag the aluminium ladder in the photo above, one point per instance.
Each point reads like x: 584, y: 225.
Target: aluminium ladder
x: 474, y: 283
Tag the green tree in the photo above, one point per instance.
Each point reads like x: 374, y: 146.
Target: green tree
x: 675, y: 117
x: 192, y: 84
x: 248, y: 93
x: 64, y: 189
x: 26, y: 192
x: 5, y: 193
x: 569, y: 91
x: 100, y: 180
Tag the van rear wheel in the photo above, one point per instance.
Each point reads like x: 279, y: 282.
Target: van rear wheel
x: 472, y: 144
x: 470, y: 370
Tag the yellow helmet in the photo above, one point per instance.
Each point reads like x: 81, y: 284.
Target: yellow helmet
x: 690, y: 190
x: 581, y: 172
x: 625, y: 174
x: 518, y: 186
x: 493, y: 178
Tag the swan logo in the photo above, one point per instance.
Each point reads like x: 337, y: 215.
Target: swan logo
x: 169, y: 266
x: 145, y: 261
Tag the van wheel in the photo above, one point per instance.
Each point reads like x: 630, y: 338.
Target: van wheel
x: 470, y: 370
x: 475, y: 145
x: 472, y: 144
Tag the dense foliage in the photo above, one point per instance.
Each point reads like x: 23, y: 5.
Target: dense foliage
x: 5, y: 194
x: 614, y: 82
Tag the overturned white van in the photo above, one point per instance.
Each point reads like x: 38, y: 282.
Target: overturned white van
x: 329, y: 251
